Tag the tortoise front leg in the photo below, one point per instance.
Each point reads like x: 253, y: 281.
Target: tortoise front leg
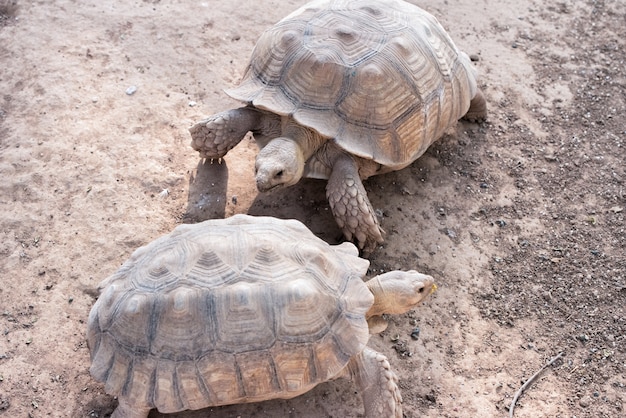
x: 377, y: 383
x: 350, y: 205
x: 214, y: 136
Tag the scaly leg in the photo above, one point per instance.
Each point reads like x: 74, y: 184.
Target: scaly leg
x: 377, y: 383
x: 350, y: 206
x: 215, y: 136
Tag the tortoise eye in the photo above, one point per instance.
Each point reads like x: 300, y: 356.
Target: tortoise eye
x: 279, y: 174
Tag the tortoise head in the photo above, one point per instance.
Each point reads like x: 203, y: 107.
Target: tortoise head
x: 279, y: 164
x: 397, y: 292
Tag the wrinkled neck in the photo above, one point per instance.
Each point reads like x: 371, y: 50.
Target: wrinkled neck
x: 284, y: 150
x: 381, y: 298
x: 306, y: 139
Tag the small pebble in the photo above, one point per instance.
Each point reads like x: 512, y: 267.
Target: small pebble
x: 131, y: 90
x: 415, y: 334
x: 501, y: 223
x: 192, y: 103
x: 474, y: 57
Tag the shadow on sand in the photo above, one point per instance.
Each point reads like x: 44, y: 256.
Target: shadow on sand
x: 207, y: 192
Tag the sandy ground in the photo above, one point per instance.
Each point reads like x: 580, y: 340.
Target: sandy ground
x: 520, y: 219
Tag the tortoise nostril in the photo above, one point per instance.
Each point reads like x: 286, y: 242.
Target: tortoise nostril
x: 279, y: 174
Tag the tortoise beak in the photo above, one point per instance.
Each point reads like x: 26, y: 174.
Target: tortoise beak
x: 433, y: 288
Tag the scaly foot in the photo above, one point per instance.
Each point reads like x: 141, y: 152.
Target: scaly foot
x: 215, y: 136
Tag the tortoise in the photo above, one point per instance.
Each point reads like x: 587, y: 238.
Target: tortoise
x: 244, y: 310
x: 343, y: 90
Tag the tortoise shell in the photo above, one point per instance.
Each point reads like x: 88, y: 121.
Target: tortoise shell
x: 382, y: 78
x: 228, y: 311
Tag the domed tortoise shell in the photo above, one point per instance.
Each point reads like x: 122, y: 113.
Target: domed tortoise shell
x: 228, y: 311
x: 382, y: 78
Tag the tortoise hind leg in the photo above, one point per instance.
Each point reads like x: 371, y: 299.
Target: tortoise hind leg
x: 377, y: 383
x: 214, y: 136
x: 478, y: 108
x: 128, y: 410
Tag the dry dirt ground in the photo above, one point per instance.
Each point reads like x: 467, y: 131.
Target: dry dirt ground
x: 520, y: 219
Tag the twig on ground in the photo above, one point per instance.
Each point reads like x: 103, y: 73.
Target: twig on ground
x: 530, y: 381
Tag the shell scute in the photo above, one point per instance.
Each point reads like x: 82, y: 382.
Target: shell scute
x: 218, y: 372
x: 243, y: 318
x: 295, y: 367
x: 192, y: 389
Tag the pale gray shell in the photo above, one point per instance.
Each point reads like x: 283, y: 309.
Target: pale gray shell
x: 382, y: 77
x: 228, y: 311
